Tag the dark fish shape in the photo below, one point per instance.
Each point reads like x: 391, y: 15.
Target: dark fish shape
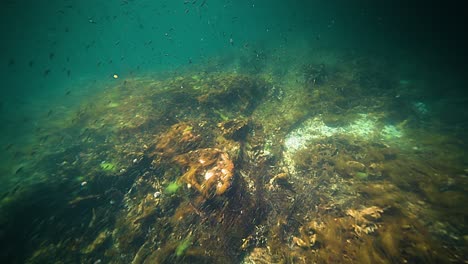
x: 15, y: 189
x: 44, y: 138
x: 19, y: 170
x: 68, y: 92
x: 9, y: 146
x: 46, y: 72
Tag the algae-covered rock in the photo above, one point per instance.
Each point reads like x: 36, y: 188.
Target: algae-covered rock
x: 98, y: 241
x: 210, y: 171
x: 235, y: 129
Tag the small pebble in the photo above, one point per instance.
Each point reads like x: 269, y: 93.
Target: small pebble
x: 156, y: 194
x: 84, y: 183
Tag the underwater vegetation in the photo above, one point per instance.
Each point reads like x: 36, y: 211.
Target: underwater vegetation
x: 313, y: 166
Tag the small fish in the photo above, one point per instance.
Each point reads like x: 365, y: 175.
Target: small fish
x: 51, y: 55
x: 31, y: 63
x: 19, y: 170
x: 68, y: 92
x: 8, y: 147
x: 68, y: 73
x: 203, y: 3
x: 11, y: 62
x: 46, y: 72
x: 50, y: 112
x: 15, y: 189
x: 44, y: 138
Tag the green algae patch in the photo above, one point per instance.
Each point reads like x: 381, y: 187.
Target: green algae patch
x: 108, y: 166
x: 172, y: 187
x: 362, y: 175
x: 183, y: 246
x: 113, y: 105
x: 80, y: 178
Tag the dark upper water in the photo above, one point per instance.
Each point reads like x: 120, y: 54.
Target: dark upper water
x: 87, y: 86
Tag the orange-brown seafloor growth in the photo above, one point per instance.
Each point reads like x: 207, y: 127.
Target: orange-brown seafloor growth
x: 210, y: 171
x: 179, y: 139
